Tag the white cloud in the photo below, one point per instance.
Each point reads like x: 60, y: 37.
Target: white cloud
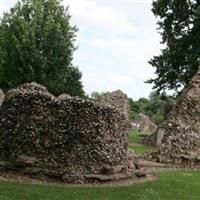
x: 121, y: 38
x: 99, y: 43
x: 5, y: 5
x: 116, y: 39
x: 92, y: 13
x: 119, y: 79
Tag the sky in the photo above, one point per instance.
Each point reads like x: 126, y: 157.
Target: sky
x: 116, y: 39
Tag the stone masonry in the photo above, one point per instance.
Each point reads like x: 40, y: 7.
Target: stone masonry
x: 66, y: 137
x: 118, y: 100
x: 181, y: 142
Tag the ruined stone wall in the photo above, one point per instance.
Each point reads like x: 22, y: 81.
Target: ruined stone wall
x: 118, y: 100
x: 66, y: 136
x: 181, y: 142
x: 144, y: 124
x: 156, y: 138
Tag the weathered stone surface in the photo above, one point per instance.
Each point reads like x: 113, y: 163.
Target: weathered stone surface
x: 68, y: 135
x: 181, y: 143
x: 118, y: 100
x: 140, y: 173
x: 1, y: 97
x: 114, y: 170
x: 144, y: 124
x: 102, y: 177
x: 24, y: 160
x: 3, y: 163
x: 64, y: 96
x: 155, y: 139
x: 146, y: 163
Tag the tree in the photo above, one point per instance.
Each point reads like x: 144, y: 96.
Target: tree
x: 37, y: 45
x: 179, y: 25
x: 97, y: 96
x: 157, y: 107
x: 137, y: 107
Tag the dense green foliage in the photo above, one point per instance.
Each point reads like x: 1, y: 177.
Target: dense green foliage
x: 37, y: 44
x: 170, y: 185
x: 156, y: 106
x: 179, y: 25
x: 97, y: 96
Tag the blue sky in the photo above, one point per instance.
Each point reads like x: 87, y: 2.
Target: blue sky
x: 116, y: 39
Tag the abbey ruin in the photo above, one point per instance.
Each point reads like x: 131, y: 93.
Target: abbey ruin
x: 66, y: 137
x: 181, y: 141
x: 76, y: 140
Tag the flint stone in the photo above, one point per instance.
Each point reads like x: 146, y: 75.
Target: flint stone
x: 72, y: 136
x: 1, y: 97
x: 181, y: 140
x: 24, y: 160
x: 140, y: 174
x: 102, y: 177
x: 117, y: 100
x: 64, y: 96
x: 113, y: 170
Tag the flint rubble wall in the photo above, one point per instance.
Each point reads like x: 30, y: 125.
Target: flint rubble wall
x: 68, y: 136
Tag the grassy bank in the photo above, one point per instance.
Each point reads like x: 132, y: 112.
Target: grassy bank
x: 169, y: 186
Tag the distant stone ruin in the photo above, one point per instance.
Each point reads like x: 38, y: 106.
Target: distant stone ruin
x: 144, y: 124
x: 65, y: 138
x: 181, y: 143
x: 156, y: 138
x: 118, y: 100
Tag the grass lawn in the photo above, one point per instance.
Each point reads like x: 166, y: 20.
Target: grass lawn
x: 135, y: 139
x: 170, y: 186
x: 141, y: 149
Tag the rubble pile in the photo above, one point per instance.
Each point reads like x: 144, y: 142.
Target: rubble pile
x: 118, y: 100
x: 181, y: 142
x: 65, y: 137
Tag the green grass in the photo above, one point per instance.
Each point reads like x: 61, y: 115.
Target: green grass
x: 142, y: 149
x: 135, y: 137
x: 135, y: 140
x: 169, y: 186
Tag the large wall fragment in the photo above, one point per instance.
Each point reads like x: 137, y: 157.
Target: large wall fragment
x: 67, y: 137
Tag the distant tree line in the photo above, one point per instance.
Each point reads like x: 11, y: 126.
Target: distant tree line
x: 156, y: 107
x: 97, y: 96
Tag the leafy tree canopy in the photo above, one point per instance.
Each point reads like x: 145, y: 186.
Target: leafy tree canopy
x: 37, y: 44
x: 156, y: 106
x: 179, y: 26
x: 97, y: 96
